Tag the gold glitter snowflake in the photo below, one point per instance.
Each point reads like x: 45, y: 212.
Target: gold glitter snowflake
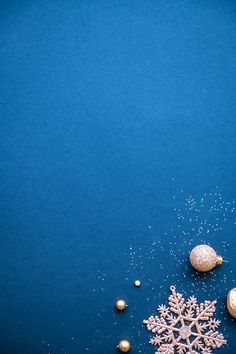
x: 185, y: 327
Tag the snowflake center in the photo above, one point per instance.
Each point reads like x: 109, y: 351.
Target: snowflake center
x: 185, y: 332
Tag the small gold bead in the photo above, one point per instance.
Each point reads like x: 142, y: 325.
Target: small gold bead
x: 137, y: 283
x: 120, y: 305
x: 124, y: 346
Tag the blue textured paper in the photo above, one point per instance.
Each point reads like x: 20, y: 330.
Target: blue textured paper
x: 117, y: 157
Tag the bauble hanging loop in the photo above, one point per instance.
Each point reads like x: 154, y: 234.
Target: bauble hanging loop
x: 204, y: 258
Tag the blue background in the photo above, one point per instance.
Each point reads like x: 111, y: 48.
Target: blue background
x: 117, y: 157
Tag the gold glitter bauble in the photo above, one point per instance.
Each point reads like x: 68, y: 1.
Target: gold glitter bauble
x: 124, y: 346
x: 204, y: 258
x: 231, y: 302
x: 137, y: 283
x: 120, y: 305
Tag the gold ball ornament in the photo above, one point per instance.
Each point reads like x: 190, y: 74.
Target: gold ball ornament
x: 204, y: 258
x: 121, y: 305
x: 137, y: 283
x: 124, y: 346
x: 231, y: 302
